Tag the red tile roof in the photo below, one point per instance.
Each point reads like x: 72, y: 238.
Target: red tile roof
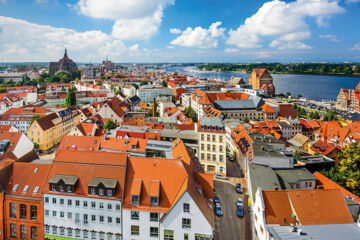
x: 79, y: 143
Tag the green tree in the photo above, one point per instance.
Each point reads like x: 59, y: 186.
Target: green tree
x: 34, y: 118
x: 112, y: 87
x: 110, y: 125
x: 142, y: 83
x: 164, y: 84
x: 135, y: 86
x: 288, y: 94
x: 99, y: 83
x: 299, y: 95
x: 36, y: 146
x: 297, y: 156
x: 117, y: 92
x: 70, y: 99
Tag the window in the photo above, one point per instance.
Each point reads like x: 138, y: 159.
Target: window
x: 221, y: 149
x: 77, y: 203
x: 92, y: 191
x: 208, y: 147
x: 214, y: 157
x: 46, y: 200
x: 93, y: 235
x: 221, y: 158
x: 101, y: 219
x: 117, y: 236
x: 118, y: 220
x: 13, y: 230
x: 22, y: 211
x: 53, y: 187
x: 154, y: 201
x: 208, y: 138
x: 33, y: 233
x: 46, y: 213
x: 93, y: 218
x: 213, y: 138
x: 62, y: 231
x: 85, y: 233
x: 168, y: 234
x: 61, y: 188
x: 70, y: 232
x: 109, y: 219
x: 117, y: 207
x: 202, y: 146
x: 220, y: 138
x: 54, y: 230
x: 101, y: 192
x: 85, y: 205
x: 186, y: 207
x: 33, y: 212
x: 101, y: 206
x: 213, y: 148
x: 77, y: 233
x: 13, y: 210
x: 68, y: 189
x: 134, y: 199
x: 85, y: 217
x: 134, y: 230
x: 186, y: 236
x: 69, y: 202
x: 154, y: 217
x: 54, y: 213
x: 47, y: 229
x: 154, y: 232
x: 69, y: 215
x: 93, y: 204
x: 77, y: 217
x: 186, y: 223
x: 204, y: 237
x: 109, y: 192
x: 61, y: 201
x: 109, y: 206
x: 202, y: 137
x: 22, y: 231
x: 135, y: 215
x: 15, y: 187
x: 54, y: 200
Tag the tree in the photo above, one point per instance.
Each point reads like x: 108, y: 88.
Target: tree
x: 164, y: 84
x: 142, y: 83
x: 135, y: 86
x: 117, y: 92
x: 34, y: 118
x: 110, y: 125
x: 112, y: 87
x: 288, y: 94
x: 299, y: 95
x: 347, y: 173
x: 173, y: 99
x: 36, y: 146
x: 70, y: 99
x: 297, y: 156
x: 99, y: 83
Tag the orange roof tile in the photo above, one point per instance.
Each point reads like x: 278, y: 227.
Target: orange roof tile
x: 124, y: 144
x: 329, y: 184
x: 136, y: 187
x: 92, y: 157
x: 80, y: 143
x: 277, y: 208
x: 154, y: 188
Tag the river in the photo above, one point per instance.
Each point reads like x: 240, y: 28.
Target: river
x: 313, y: 87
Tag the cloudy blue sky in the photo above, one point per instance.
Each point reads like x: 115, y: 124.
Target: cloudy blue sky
x: 181, y: 30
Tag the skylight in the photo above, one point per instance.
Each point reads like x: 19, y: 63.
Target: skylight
x: 36, y: 170
x: 15, y: 187
x: 26, y: 188
x: 36, y: 189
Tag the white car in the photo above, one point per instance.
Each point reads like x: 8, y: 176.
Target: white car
x: 239, y: 202
x: 219, y: 176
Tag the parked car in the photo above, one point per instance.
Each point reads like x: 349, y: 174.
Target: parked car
x: 218, y: 209
x: 238, y: 188
x: 219, y: 176
x: 240, y: 211
x: 239, y: 202
x: 216, y: 199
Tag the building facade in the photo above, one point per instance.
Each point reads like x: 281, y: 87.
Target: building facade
x: 65, y: 64
x: 260, y: 78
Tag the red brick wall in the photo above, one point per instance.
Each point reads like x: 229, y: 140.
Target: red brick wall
x: 39, y: 224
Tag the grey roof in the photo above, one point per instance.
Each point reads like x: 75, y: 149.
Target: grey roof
x: 68, y: 180
x: 211, y: 121
x: 265, y: 150
x: 294, y: 175
x: 169, y: 119
x: 348, y: 231
x: 108, y: 182
x: 234, y: 104
x: 315, y: 159
x: 171, y: 133
x: 264, y: 177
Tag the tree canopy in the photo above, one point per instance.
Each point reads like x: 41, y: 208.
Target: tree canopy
x: 110, y: 125
x: 70, y: 99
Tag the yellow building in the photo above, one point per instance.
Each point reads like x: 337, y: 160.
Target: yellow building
x: 48, y: 131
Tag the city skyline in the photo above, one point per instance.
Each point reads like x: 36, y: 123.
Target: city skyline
x: 174, y: 31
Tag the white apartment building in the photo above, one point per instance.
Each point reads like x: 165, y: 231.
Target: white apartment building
x: 171, y: 211
x: 9, y: 102
x: 147, y: 92
x: 212, y: 145
x: 83, y: 197
x: 128, y: 90
x: 186, y: 99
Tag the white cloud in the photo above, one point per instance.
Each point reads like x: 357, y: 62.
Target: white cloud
x: 170, y: 47
x: 231, y: 50
x: 175, y: 30
x: 283, y: 21
x: 24, y: 41
x: 200, y: 37
x: 134, y: 48
x: 356, y: 47
x: 328, y: 36
x: 134, y: 20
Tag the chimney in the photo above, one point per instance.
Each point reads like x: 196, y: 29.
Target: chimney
x: 276, y: 188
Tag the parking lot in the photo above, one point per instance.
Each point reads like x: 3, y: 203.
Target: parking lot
x: 229, y: 226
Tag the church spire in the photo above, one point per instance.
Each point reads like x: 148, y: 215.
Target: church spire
x: 65, y: 54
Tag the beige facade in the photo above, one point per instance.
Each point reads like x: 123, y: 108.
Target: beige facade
x: 212, y: 151
x: 250, y: 114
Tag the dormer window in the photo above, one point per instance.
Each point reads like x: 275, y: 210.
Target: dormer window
x: 92, y: 191
x: 154, y: 201
x: 135, y: 199
x: 109, y: 192
x: 101, y: 192
x: 68, y: 189
x: 61, y: 188
x: 53, y: 187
